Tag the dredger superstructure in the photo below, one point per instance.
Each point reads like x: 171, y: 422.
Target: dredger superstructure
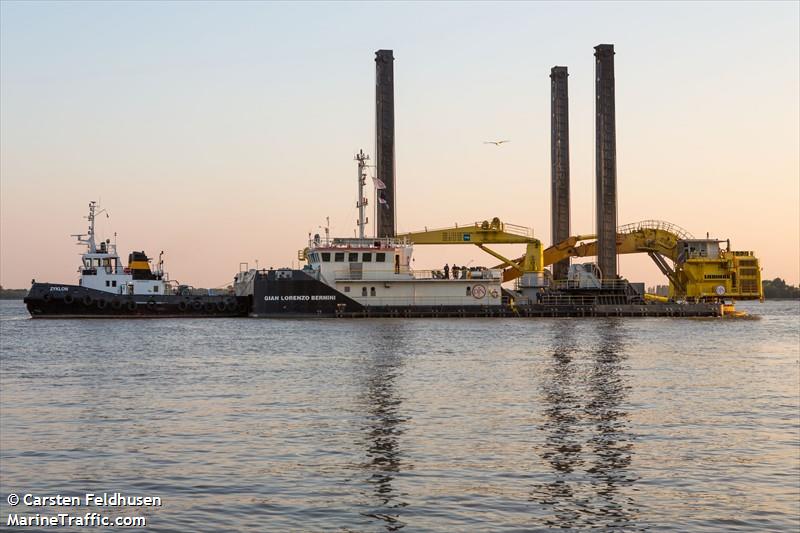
x: 372, y: 276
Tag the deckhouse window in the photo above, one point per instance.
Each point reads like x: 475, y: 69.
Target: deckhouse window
x: 352, y: 257
x: 326, y: 257
x: 338, y: 257
x: 372, y: 291
x: 366, y: 257
x: 380, y: 257
x: 155, y: 288
x: 363, y: 291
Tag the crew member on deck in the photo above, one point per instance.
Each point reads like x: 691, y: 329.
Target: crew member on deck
x: 446, y: 271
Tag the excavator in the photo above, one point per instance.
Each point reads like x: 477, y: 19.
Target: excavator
x: 698, y: 270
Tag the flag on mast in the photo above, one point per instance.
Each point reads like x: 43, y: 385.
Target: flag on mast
x: 378, y: 183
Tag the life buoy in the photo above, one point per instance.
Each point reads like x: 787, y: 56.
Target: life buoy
x: 116, y: 303
x: 102, y: 303
x: 494, y: 293
x: 68, y: 299
x: 87, y: 300
x: 197, y: 305
x: 131, y: 305
x: 220, y: 306
x: 183, y: 305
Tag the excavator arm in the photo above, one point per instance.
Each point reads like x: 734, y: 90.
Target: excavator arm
x: 642, y: 240
x: 730, y: 274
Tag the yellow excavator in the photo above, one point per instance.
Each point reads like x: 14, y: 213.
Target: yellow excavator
x: 701, y: 269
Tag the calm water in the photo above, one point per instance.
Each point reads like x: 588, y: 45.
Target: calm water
x: 421, y: 425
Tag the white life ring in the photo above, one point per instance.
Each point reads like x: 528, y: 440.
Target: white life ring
x: 479, y: 291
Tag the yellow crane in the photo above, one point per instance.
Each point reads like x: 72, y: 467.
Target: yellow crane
x: 701, y: 270
x: 490, y: 232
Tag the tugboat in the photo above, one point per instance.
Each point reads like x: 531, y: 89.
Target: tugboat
x: 107, y: 289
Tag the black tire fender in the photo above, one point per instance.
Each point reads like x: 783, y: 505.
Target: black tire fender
x: 68, y: 299
x: 197, y: 305
x: 220, y: 306
x: 87, y: 300
x: 102, y: 303
x: 183, y: 305
x: 116, y: 303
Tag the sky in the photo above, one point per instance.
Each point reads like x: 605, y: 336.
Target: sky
x: 225, y: 132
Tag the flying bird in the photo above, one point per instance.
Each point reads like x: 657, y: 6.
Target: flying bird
x: 496, y: 143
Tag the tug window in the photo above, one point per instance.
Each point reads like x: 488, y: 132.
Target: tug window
x: 380, y: 257
x: 372, y: 291
x: 155, y: 288
x: 347, y: 289
x: 338, y: 257
x: 114, y: 283
x: 353, y: 258
x: 363, y: 291
x: 366, y: 257
x: 469, y: 292
x: 108, y: 283
x: 326, y: 257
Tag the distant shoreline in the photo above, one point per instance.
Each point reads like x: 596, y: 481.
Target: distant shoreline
x: 13, y: 294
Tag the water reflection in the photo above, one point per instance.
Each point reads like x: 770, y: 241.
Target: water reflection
x: 383, y: 428
x: 587, y: 443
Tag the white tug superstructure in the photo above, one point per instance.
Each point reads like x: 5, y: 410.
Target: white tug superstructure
x: 102, y: 270
x: 378, y: 271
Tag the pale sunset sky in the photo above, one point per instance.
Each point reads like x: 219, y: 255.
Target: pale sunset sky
x: 225, y: 132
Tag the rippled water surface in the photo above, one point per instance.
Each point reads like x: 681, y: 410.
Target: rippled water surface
x: 438, y: 425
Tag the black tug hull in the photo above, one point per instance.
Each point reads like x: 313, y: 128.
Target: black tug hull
x: 296, y: 294
x: 50, y: 300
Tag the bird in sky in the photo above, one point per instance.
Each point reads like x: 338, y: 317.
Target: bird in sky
x: 496, y: 143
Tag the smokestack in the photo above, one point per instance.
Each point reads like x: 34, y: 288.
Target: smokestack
x: 606, y: 161
x: 384, y: 141
x: 559, y: 161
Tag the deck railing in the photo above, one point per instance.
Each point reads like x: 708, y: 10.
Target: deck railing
x: 404, y: 273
